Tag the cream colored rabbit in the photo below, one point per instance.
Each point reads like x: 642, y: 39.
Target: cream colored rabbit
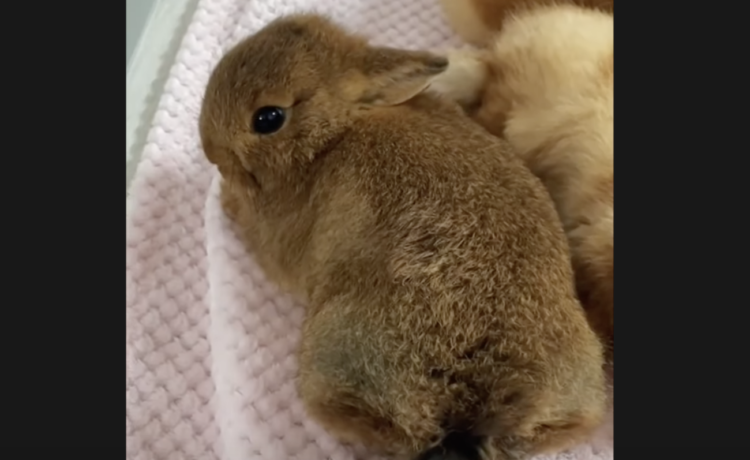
x: 478, y: 21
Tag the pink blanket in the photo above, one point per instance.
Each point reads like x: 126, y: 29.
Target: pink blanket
x: 210, y: 343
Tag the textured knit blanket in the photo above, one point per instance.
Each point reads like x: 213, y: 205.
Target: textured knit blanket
x: 210, y: 342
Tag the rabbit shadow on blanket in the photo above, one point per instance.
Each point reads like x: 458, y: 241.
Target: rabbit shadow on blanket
x: 545, y: 83
x: 442, y: 320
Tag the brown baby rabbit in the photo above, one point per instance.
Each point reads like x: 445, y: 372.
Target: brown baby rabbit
x: 442, y: 318
x: 546, y: 84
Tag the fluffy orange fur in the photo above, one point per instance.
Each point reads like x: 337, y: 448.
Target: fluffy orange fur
x: 441, y: 298
x: 546, y: 84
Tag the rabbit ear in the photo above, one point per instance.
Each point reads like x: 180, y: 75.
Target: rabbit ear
x: 393, y: 76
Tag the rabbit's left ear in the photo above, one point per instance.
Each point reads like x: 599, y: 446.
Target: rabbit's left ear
x: 392, y: 76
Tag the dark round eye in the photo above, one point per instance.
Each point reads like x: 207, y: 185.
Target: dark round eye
x: 267, y: 120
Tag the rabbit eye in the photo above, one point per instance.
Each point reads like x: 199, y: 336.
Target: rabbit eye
x: 267, y: 120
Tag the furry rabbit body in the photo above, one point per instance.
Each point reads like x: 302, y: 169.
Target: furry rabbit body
x: 441, y: 302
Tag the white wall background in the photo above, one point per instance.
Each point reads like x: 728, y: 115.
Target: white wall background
x: 136, y: 14
x: 153, y: 30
